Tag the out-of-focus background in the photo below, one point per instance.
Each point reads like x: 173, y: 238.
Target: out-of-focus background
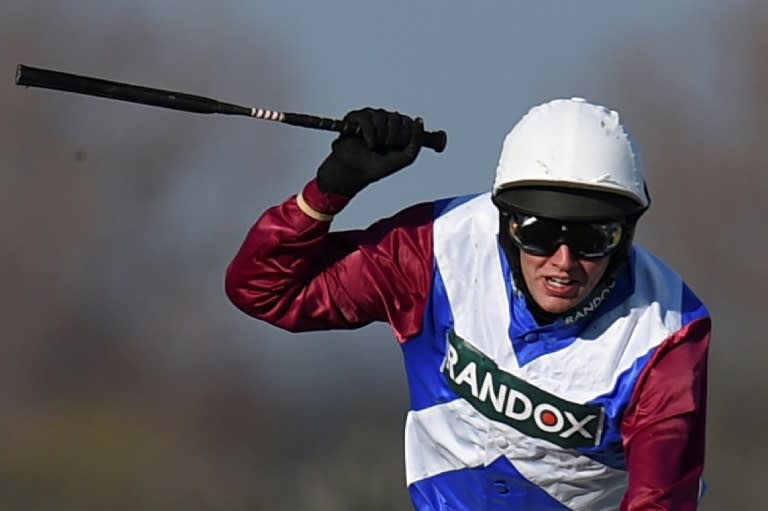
x: 128, y: 381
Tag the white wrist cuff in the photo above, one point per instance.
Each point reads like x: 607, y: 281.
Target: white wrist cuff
x: 304, y: 207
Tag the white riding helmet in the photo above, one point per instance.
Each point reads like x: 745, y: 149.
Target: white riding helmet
x: 572, y: 160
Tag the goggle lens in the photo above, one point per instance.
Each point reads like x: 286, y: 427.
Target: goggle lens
x: 588, y: 240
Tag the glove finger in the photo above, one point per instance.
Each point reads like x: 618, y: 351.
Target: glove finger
x: 347, y: 149
x: 396, y: 160
x: 359, y: 125
x: 380, y: 120
x: 395, y: 131
x: 348, y: 144
x: 368, y: 129
x: 411, y: 151
x: 405, y: 131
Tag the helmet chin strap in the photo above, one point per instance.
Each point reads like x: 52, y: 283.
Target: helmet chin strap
x: 617, y: 262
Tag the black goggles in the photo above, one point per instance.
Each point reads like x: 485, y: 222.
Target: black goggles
x: 587, y: 240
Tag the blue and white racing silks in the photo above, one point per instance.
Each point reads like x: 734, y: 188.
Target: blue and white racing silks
x: 506, y: 414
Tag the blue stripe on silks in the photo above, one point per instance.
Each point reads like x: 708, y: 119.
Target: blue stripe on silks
x: 615, y: 401
x: 691, y: 307
x: 610, y: 452
x: 423, y: 355
x: 497, y: 487
x: 443, y: 206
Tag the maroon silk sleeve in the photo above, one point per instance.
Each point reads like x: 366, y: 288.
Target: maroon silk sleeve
x: 292, y: 272
x: 664, y: 426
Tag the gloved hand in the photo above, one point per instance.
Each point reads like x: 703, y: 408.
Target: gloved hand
x: 387, y: 142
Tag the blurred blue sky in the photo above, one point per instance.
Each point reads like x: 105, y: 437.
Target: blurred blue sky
x: 471, y: 69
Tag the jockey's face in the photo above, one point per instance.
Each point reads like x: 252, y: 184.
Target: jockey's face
x: 560, y: 281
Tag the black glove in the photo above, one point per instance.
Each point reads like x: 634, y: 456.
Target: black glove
x: 386, y: 143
